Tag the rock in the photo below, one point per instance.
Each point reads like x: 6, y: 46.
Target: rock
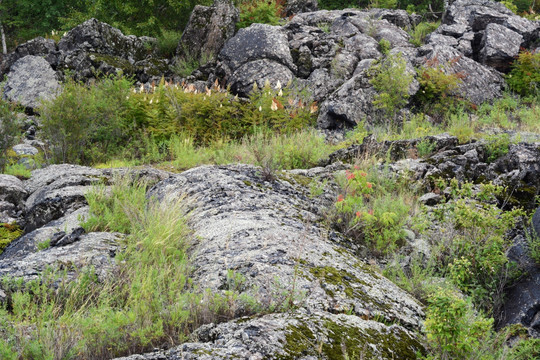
x: 31, y: 80
x: 522, y: 305
x: 430, y: 199
x: 93, y: 36
x: 37, y: 47
x: 536, y: 222
x: 208, y: 29
x: 294, y: 7
x: 94, y: 249
x: 12, y: 189
x: 257, y: 42
x: 259, y: 229
x: 25, y: 150
x: 400, y: 18
x: 499, y: 47
x: 259, y: 71
x: 478, y: 82
x: 292, y: 336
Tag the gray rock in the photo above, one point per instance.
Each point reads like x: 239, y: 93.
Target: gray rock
x: 430, y: 199
x: 294, y: 7
x: 208, y: 29
x: 259, y: 71
x: 260, y: 230
x: 12, y: 189
x: 38, y: 47
x: 294, y: 336
x: 94, y: 249
x: 24, y: 149
x: 536, y: 222
x: 257, y: 42
x: 399, y: 18
x: 93, y: 36
x: 31, y: 80
x: 499, y: 47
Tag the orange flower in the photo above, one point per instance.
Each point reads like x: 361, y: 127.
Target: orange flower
x: 363, y: 174
x: 351, y: 176
x: 369, y: 185
x: 358, y: 214
x: 340, y: 198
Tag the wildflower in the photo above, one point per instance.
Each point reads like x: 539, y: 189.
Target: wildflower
x: 280, y: 93
x: 260, y: 108
x: 340, y: 198
x: 369, y: 185
x: 356, y: 167
x: 370, y: 212
x: 350, y: 175
x: 278, y: 85
x: 358, y: 214
x: 363, y: 174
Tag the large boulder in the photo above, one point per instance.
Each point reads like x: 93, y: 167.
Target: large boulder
x: 208, y: 29
x: 38, y: 47
x: 269, y: 233
x: 487, y: 31
x: 31, y: 80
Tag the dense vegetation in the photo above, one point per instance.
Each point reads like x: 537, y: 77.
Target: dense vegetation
x: 177, y: 127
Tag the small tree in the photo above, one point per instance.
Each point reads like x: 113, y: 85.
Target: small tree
x: 391, y: 80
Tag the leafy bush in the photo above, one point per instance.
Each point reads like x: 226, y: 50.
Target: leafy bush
x: 88, y: 124
x: 372, y: 210
x: 260, y: 12
x: 419, y: 32
x: 168, y: 42
x: 473, y: 245
x: 497, y: 146
x: 391, y: 80
x: 436, y: 89
x: 453, y: 330
x: 524, y: 78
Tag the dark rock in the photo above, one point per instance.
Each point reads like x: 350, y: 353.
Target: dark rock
x: 294, y: 7
x: 62, y: 239
x: 31, y: 80
x: 499, y: 46
x: 208, y: 29
x: 37, y: 47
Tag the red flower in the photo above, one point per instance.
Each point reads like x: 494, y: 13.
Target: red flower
x: 356, y: 167
x: 363, y: 174
x: 340, y: 198
x: 358, y: 214
x: 369, y: 185
x: 351, y: 176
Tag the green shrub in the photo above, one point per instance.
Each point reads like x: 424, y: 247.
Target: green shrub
x: 436, y: 93
x: 524, y: 78
x: 373, y: 209
x: 473, y: 245
x: 384, y: 46
x: 259, y: 12
x: 391, y: 80
x: 88, y: 124
x: 18, y: 170
x: 168, y: 42
x: 453, y: 330
x: 497, y: 146
x: 425, y: 147
x: 420, y: 31
x: 45, y: 244
x: 9, y: 131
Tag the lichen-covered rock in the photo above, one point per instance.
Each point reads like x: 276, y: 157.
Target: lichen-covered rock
x: 499, y: 46
x: 11, y: 189
x: 31, y: 80
x: 259, y: 72
x: 208, y: 29
x: 306, y: 336
x: 257, y: 42
x: 268, y: 232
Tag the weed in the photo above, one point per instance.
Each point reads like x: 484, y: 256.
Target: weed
x: 524, y: 78
x: 8, y: 233
x: 43, y: 245
x: 259, y: 11
x: 419, y: 32
x: 425, y: 147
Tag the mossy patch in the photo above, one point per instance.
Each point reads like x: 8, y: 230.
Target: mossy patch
x: 334, y: 340
x: 8, y: 233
